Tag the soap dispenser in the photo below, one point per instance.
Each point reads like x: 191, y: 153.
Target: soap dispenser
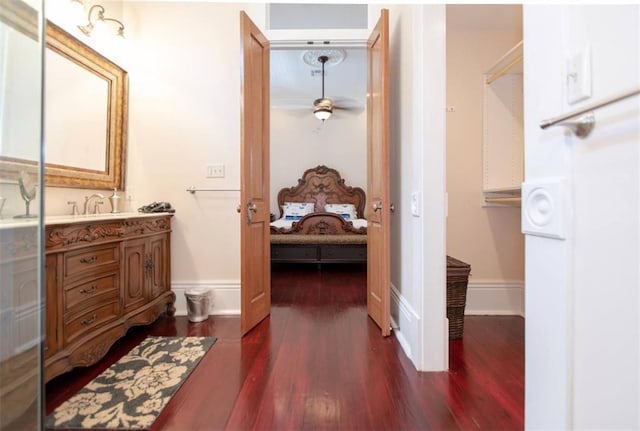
x: 114, y: 200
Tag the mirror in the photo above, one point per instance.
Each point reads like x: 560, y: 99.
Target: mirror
x: 85, y: 115
x: 86, y: 102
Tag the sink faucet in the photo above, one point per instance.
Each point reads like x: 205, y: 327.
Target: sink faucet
x: 87, y: 199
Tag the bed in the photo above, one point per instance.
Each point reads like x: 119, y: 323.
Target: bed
x: 320, y: 220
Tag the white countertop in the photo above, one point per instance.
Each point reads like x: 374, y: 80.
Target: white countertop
x: 9, y: 223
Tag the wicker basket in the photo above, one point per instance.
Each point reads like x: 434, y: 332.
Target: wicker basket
x: 457, y: 281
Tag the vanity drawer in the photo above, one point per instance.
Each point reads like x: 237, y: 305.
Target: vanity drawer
x: 90, y: 259
x: 91, y: 291
x: 79, y: 324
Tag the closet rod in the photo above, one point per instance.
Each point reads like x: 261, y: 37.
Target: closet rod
x: 506, y: 62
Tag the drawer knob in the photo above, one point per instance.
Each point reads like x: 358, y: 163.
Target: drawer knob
x: 91, y: 259
x: 92, y: 289
x: 90, y: 320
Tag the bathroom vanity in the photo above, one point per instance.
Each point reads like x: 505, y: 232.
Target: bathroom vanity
x: 104, y: 274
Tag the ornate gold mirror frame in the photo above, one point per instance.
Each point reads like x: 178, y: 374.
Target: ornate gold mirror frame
x: 112, y: 176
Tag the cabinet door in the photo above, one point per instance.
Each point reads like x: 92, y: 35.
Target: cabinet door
x: 158, y: 273
x: 51, y: 340
x: 133, y: 274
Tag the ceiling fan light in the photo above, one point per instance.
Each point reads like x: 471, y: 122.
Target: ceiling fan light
x: 322, y: 113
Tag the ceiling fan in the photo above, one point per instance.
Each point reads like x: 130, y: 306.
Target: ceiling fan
x: 323, y: 107
x: 294, y: 87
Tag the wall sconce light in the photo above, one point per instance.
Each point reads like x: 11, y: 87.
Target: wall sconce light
x: 99, y: 20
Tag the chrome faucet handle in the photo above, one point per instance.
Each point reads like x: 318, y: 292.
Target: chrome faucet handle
x: 74, y: 208
x: 96, y: 208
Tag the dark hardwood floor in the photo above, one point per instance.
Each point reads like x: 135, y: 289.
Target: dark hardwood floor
x: 318, y: 362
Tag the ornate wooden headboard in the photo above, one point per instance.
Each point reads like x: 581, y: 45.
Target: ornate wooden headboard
x: 323, y: 185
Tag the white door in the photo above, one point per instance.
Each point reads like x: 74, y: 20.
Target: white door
x: 581, y: 216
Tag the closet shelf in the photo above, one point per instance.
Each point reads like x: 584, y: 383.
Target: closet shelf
x: 506, y: 190
x: 503, y: 201
x: 511, y: 62
x: 502, y: 197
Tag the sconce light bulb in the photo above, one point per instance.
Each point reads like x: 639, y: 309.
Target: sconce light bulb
x: 86, y: 29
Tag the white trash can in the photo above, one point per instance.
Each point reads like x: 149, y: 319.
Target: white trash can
x: 198, y: 303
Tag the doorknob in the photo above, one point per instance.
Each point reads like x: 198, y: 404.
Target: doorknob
x: 392, y: 208
x: 377, y: 206
x: 239, y: 209
x: 251, y: 208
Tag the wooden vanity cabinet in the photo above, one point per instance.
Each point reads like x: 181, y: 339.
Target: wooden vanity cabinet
x: 102, y: 278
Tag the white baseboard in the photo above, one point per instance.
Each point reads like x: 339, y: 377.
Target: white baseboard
x: 483, y: 298
x: 495, y: 298
x: 405, y: 323
x: 225, y: 296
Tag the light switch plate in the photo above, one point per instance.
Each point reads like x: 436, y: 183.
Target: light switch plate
x: 579, y: 76
x: 544, y: 208
x: 415, y: 204
x: 215, y: 171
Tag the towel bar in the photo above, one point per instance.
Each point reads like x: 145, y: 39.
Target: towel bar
x: 194, y: 189
x: 583, y: 126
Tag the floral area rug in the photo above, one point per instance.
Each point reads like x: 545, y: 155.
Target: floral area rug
x: 131, y: 393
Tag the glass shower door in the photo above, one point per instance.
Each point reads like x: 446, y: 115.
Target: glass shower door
x: 21, y: 256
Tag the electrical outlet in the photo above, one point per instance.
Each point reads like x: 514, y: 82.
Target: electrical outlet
x: 215, y: 171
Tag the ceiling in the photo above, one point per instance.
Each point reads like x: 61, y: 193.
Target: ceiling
x: 296, y: 84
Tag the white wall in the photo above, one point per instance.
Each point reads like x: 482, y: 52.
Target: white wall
x: 417, y: 138
x: 582, y: 340
x: 299, y: 141
x: 487, y: 238
x: 185, y: 114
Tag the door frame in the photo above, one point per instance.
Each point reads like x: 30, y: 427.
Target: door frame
x: 359, y: 43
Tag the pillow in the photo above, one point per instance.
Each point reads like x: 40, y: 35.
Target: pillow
x: 297, y: 209
x: 347, y: 211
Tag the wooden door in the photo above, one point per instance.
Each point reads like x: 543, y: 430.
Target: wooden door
x: 378, y: 194
x: 255, y: 271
